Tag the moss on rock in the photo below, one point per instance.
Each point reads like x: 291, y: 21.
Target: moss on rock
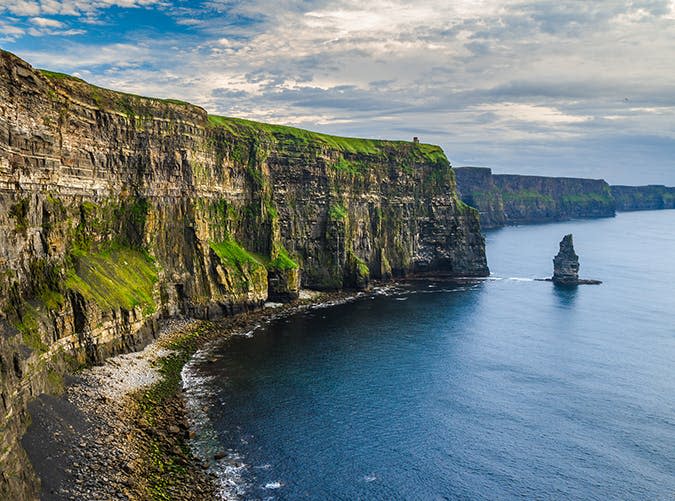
x: 115, y: 278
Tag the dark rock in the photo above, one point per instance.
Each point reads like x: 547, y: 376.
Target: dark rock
x: 165, y: 180
x: 505, y: 199
x: 566, y: 263
x: 566, y: 266
x: 652, y: 197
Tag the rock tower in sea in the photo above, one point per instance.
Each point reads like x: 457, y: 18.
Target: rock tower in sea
x: 566, y: 263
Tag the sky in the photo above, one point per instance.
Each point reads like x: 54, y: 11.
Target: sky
x: 562, y: 88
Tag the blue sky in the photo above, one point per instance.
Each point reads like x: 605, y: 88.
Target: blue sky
x: 573, y: 88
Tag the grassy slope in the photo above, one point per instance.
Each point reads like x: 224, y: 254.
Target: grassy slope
x: 239, y: 126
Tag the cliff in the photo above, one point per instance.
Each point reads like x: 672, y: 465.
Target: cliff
x: 652, y: 197
x: 119, y: 210
x: 512, y: 199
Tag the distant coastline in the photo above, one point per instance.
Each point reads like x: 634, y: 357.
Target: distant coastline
x: 507, y: 199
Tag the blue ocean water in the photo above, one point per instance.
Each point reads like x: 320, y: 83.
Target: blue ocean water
x: 511, y: 388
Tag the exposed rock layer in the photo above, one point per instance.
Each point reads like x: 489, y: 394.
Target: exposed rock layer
x: 118, y: 210
x: 651, y: 197
x: 566, y: 266
x: 566, y: 263
x: 504, y: 199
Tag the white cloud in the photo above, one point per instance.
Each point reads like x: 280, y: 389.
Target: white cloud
x: 44, y: 22
x: 68, y: 7
x: 537, y: 114
x: 11, y: 32
x: 73, y: 56
x: 462, y: 73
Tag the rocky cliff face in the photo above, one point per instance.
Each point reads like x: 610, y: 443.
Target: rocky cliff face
x: 512, y: 199
x: 652, y: 197
x: 478, y: 189
x: 118, y: 210
x: 566, y: 263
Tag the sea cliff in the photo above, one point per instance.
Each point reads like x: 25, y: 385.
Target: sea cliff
x: 504, y: 199
x: 118, y: 211
x: 650, y: 197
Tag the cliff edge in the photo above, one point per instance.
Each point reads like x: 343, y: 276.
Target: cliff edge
x: 120, y: 210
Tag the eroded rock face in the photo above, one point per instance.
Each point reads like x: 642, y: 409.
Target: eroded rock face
x: 117, y: 210
x: 653, y: 197
x: 505, y: 199
x: 566, y: 263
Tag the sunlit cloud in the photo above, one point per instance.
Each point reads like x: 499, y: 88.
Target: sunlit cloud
x: 514, y: 84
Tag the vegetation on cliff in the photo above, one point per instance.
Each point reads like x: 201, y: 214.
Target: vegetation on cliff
x: 115, y: 278
x: 119, y: 210
x: 302, y: 139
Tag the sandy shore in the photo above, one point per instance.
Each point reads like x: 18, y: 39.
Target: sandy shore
x: 120, y: 431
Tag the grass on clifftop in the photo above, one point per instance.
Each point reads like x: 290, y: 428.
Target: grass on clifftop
x: 109, y: 98
x: 300, y: 136
x: 116, y: 278
x: 238, y: 126
x: 126, y: 103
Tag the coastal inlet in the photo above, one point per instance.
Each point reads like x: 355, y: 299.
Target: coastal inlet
x: 510, y: 388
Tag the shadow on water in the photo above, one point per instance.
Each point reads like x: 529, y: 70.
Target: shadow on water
x: 566, y: 295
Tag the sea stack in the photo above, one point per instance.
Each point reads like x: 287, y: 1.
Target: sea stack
x: 566, y: 265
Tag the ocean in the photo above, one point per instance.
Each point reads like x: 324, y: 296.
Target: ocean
x: 508, y: 388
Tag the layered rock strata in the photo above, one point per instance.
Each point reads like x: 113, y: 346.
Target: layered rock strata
x: 504, y: 199
x: 566, y: 265
x: 118, y: 210
x: 651, y: 197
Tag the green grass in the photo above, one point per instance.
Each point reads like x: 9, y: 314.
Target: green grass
x: 526, y: 196
x: 29, y: 327
x: 362, y: 267
x: 337, y: 212
x: 116, y: 278
x: 19, y: 211
x: 587, y: 198
x: 432, y: 153
x: 354, y: 168
x: 101, y: 95
x: 282, y: 261
x: 239, y: 126
x: 233, y: 254
x: 55, y: 75
x: 52, y: 300
x: 128, y: 103
x: 427, y: 153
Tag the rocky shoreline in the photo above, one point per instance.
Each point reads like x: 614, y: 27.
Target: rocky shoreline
x: 120, y: 430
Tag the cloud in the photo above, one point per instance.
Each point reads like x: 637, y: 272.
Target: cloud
x: 77, y: 56
x: 487, y: 79
x: 531, y: 113
x: 68, y: 7
x: 46, y: 22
